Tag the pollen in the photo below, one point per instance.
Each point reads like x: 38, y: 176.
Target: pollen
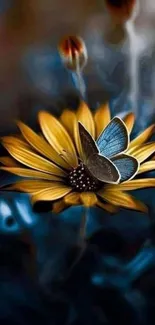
x: 81, y: 180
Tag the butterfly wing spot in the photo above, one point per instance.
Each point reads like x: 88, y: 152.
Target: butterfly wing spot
x: 103, y: 169
x: 114, y: 139
x: 127, y: 165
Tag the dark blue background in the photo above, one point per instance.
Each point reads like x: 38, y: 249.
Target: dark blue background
x: 113, y: 282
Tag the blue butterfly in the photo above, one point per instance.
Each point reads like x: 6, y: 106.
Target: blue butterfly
x: 105, y: 158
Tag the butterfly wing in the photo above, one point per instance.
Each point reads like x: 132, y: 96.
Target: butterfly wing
x: 114, y: 139
x: 127, y: 166
x: 88, y: 144
x: 103, y: 169
x: 100, y: 167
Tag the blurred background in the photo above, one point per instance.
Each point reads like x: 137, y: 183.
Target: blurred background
x: 113, y: 283
x: 31, y: 72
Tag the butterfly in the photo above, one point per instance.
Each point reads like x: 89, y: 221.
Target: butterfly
x: 105, y: 158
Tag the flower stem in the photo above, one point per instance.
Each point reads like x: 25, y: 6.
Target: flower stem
x: 81, y: 240
x: 82, y: 231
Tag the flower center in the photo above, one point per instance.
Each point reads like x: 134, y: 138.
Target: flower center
x: 81, y: 180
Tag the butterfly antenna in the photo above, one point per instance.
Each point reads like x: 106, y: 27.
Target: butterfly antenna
x: 80, y: 160
x: 64, y: 155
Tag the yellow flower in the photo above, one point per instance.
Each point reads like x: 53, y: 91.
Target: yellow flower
x: 48, y: 161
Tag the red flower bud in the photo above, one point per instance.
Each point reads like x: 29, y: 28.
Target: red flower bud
x: 73, y: 52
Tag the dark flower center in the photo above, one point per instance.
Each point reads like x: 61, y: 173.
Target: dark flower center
x: 82, y: 181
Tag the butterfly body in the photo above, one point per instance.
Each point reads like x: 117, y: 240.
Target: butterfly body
x: 106, y: 159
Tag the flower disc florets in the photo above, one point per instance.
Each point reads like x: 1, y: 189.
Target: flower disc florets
x: 81, y: 180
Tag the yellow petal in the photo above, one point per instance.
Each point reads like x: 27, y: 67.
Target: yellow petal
x: 78, y: 140
x: 143, y: 152
x: 129, y: 120
x: 39, y: 144
x: 102, y: 118
x: 33, y: 186
x: 146, y: 167
x: 124, y: 200
x: 21, y: 152
x: 58, y: 137
x: 72, y: 198
x: 69, y: 120
x: 88, y: 199
x: 134, y: 185
x: 24, y: 172
x: 51, y: 194
x: 18, y: 141
x: 85, y: 116
x: 8, y: 161
x: 142, y: 138
x: 58, y: 206
x: 108, y: 207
